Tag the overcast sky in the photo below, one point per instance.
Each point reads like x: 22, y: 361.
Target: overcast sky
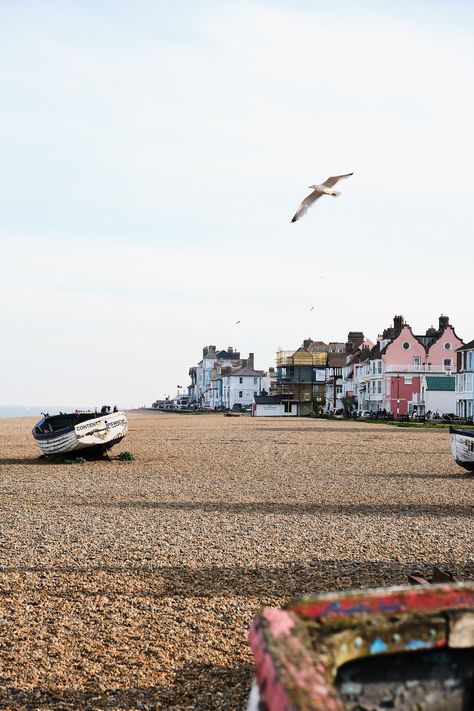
x: 153, y: 154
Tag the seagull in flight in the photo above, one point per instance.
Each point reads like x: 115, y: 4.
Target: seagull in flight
x: 319, y: 190
x: 313, y: 307
x: 237, y: 322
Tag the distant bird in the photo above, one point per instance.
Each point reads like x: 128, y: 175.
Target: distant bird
x: 318, y: 191
x: 237, y: 322
x: 313, y: 307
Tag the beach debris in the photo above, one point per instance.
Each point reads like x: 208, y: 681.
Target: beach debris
x: 437, y: 576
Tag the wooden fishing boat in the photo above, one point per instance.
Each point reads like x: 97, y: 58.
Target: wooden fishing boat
x: 81, y: 433
x: 462, y: 447
x: 402, y: 648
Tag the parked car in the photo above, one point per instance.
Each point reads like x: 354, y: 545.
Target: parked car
x: 364, y: 413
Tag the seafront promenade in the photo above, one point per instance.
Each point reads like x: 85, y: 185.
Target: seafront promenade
x: 131, y: 585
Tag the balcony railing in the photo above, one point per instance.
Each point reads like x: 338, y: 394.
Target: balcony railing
x: 422, y: 368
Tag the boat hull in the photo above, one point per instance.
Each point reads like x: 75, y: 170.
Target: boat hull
x: 87, y: 438
x: 462, y: 447
x: 340, y: 651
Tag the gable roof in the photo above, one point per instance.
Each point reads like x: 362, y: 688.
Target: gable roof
x: 440, y: 382
x: 245, y: 371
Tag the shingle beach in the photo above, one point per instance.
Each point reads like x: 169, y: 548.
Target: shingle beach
x: 131, y: 585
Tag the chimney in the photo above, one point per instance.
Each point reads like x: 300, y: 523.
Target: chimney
x: 307, y: 342
x: 443, y: 322
x: 230, y: 349
x: 354, y: 339
x: 205, y: 351
x: 250, y: 361
x: 398, y: 323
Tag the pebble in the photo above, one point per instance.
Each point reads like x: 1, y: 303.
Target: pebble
x: 133, y: 584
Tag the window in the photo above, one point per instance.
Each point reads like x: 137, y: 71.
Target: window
x: 255, y: 381
x: 255, y: 393
x: 241, y: 380
x: 447, y: 346
x: 240, y: 393
x: 416, y: 362
x: 406, y: 345
x: 447, y: 363
x: 287, y: 406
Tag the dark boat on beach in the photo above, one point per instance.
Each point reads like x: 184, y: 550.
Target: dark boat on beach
x: 462, y: 447
x: 82, y: 433
x: 402, y: 648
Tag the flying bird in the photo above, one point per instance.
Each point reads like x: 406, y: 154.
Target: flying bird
x: 313, y: 307
x: 237, y: 322
x: 319, y: 190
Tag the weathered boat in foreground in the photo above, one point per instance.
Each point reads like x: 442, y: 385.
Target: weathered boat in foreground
x: 402, y: 648
x: 462, y: 447
x: 81, y: 433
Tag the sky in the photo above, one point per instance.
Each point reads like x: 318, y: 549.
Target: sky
x: 153, y: 154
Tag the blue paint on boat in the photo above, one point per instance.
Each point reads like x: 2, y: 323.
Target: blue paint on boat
x: 378, y: 646
x: 418, y: 644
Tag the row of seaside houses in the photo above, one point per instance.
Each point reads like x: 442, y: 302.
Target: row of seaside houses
x: 401, y: 374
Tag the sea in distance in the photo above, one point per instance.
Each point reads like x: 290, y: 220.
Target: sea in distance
x: 32, y: 410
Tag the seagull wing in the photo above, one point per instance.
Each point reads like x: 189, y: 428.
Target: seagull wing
x: 307, y: 202
x: 335, y: 179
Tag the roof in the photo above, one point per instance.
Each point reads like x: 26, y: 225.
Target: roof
x: 270, y: 399
x: 440, y: 382
x: 245, y: 371
x: 336, y: 360
x: 467, y: 347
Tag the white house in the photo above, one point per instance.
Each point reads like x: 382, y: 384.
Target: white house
x: 464, y: 393
x: 273, y: 406
x: 240, y: 387
x: 437, y: 394
x: 204, y: 388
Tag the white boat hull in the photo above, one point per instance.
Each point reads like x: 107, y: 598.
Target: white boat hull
x: 462, y: 447
x: 95, y: 434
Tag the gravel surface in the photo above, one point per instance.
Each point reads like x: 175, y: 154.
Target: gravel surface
x: 131, y: 585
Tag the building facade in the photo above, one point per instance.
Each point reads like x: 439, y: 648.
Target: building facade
x: 224, y: 379
x: 391, y: 379
x: 464, y: 389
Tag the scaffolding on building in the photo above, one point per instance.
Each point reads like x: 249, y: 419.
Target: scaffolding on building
x: 300, y: 377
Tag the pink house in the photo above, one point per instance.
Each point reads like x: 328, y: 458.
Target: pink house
x: 400, y: 359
